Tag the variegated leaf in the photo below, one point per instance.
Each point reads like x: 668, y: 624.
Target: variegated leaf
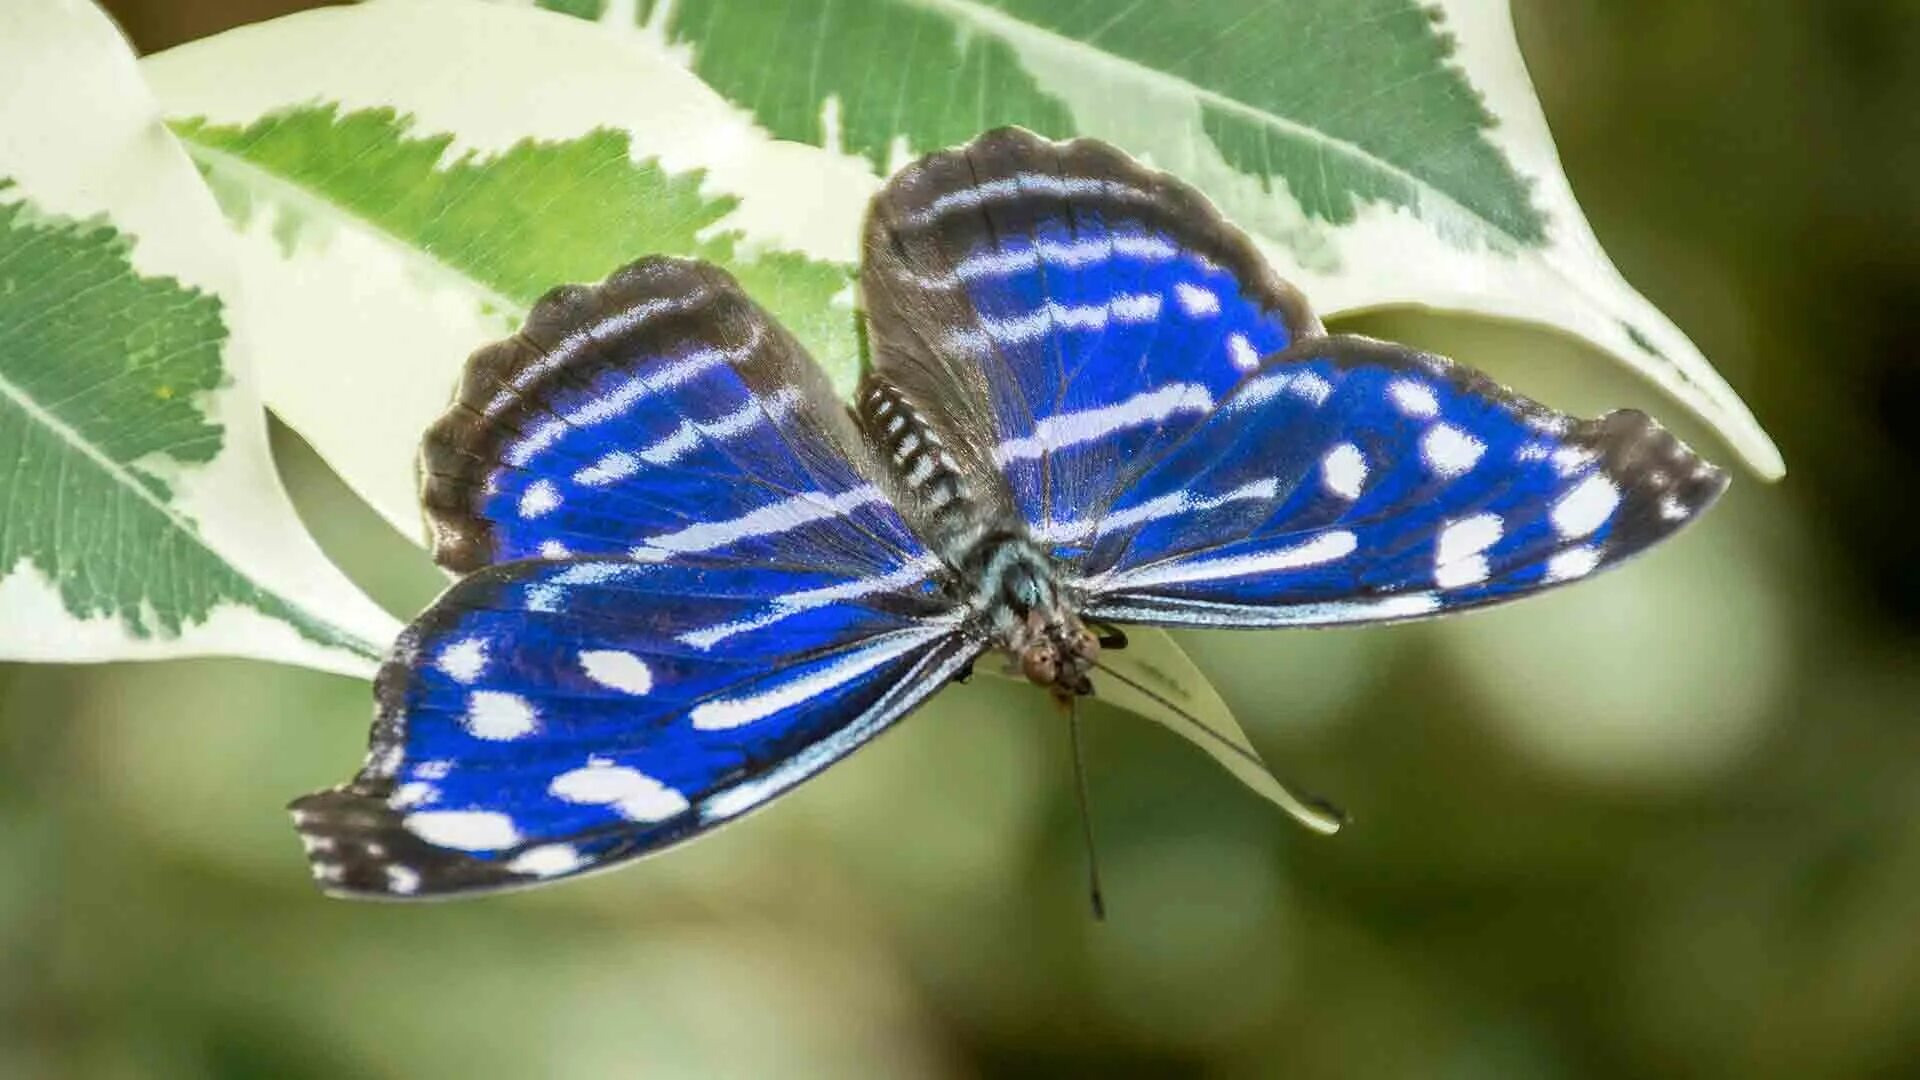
x: 143, y: 517
x: 1381, y: 152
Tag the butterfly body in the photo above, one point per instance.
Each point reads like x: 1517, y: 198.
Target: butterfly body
x: 695, y: 578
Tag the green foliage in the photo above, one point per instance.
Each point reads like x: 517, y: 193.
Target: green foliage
x: 1340, y: 101
x: 102, y: 376
x: 517, y: 223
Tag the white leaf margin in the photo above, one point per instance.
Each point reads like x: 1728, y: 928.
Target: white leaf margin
x: 1389, y: 256
x: 81, y: 137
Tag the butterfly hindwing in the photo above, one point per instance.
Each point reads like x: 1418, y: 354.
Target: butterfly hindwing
x: 549, y: 718
x: 1060, y: 310
x: 1353, y: 480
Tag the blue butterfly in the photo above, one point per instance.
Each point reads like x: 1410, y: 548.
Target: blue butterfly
x: 695, y: 578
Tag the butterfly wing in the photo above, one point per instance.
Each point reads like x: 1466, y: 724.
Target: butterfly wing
x: 659, y: 414
x: 757, y: 607
x: 545, y: 719
x: 1353, y: 480
x: 1173, y: 422
x: 1059, y: 312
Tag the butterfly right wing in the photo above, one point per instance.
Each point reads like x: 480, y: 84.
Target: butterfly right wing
x: 546, y: 719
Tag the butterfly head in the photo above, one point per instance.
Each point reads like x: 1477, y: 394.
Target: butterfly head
x: 1018, y: 596
x: 1058, y: 655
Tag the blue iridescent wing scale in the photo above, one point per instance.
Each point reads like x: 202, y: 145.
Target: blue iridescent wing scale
x: 691, y: 590
x: 546, y: 719
x: 1353, y: 480
x: 1060, y: 311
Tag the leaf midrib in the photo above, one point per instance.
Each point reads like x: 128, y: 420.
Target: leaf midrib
x: 1000, y: 24
x: 121, y: 475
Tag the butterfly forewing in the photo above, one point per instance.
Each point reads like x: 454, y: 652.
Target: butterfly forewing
x: 659, y: 414
x: 1064, y: 313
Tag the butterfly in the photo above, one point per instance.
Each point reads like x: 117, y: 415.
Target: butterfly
x: 695, y: 577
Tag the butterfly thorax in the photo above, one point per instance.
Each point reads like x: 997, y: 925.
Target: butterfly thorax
x: 1009, y: 584
x: 1017, y: 597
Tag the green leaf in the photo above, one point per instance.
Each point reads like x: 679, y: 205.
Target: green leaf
x: 142, y: 514
x: 393, y: 218
x: 1381, y: 152
x: 1152, y: 676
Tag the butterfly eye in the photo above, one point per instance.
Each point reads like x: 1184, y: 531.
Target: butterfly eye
x: 1040, y: 663
x: 1024, y: 590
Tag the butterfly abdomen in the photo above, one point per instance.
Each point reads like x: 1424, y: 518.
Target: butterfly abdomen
x: 916, y: 456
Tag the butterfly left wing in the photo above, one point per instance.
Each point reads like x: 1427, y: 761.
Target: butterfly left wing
x: 545, y: 719
x: 1352, y: 480
x: 692, y: 592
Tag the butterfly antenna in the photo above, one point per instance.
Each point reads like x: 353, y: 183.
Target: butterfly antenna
x: 1315, y: 813
x: 1094, y: 894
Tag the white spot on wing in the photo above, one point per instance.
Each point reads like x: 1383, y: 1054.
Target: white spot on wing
x: 539, y: 499
x: 631, y: 793
x: 1457, y: 558
x: 547, y: 860
x: 1344, y: 471
x: 498, y: 716
x: 1241, y: 352
x: 411, y: 794
x: 1586, y: 507
x: 1572, y: 563
x: 617, y: 670
x: 1413, y: 399
x: 1468, y: 536
x: 1197, y: 301
x: 1570, y: 459
x: 466, y: 830
x: 404, y: 880
x: 464, y: 660
x: 1448, y: 451
x: 616, y: 465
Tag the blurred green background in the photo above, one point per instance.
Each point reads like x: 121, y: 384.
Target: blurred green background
x: 1667, y: 824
